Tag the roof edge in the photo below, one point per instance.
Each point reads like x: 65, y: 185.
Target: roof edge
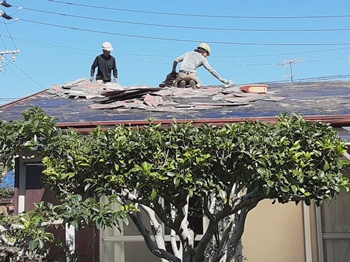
x: 335, y: 121
x: 23, y: 98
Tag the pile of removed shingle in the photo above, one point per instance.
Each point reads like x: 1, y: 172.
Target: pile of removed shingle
x: 114, y: 96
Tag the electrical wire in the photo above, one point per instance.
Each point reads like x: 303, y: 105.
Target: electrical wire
x: 185, y: 40
x: 315, y: 79
x: 20, y: 79
x: 187, y: 27
x: 2, y: 40
x: 61, y: 48
x: 282, y: 64
x: 12, y: 64
x: 8, y: 98
x: 7, y: 22
x: 3, y: 71
x: 200, y: 15
x: 324, y: 78
x: 8, y: 31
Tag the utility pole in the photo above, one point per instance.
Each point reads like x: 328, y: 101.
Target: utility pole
x: 290, y: 63
x: 7, y: 52
x: 2, y: 13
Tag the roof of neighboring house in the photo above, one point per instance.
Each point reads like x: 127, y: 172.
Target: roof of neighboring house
x: 81, y: 102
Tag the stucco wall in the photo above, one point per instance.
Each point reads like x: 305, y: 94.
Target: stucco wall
x: 274, y: 233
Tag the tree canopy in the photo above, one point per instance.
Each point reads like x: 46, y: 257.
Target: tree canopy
x: 227, y: 169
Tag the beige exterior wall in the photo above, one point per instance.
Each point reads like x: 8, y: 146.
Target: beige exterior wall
x: 274, y: 233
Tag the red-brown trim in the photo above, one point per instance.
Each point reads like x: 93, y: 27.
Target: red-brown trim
x: 335, y: 121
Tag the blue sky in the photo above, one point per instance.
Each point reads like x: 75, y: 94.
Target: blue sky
x: 250, y: 40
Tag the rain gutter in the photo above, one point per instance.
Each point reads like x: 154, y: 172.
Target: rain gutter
x: 334, y: 121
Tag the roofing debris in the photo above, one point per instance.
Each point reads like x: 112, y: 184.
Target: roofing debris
x: 165, y: 99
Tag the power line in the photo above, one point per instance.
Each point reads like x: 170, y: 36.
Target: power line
x: 185, y: 40
x: 315, y: 79
x: 7, y: 17
x: 13, y: 42
x: 2, y: 40
x: 201, y: 15
x: 28, y: 77
x: 59, y: 47
x: 21, y: 79
x: 284, y: 63
x: 62, y: 48
x: 8, y: 98
x: 324, y: 78
x: 187, y: 27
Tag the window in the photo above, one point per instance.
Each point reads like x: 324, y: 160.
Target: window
x: 334, y: 229
x: 128, y: 245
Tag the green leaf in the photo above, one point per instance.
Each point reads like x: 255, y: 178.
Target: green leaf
x: 326, y: 166
x: 154, y: 194
x: 33, y: 244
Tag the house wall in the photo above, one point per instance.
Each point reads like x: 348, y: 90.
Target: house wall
x: 29, y: 189
x: 274, y: 233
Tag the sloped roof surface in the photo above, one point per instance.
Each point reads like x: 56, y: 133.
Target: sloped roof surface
x: 81, y: 101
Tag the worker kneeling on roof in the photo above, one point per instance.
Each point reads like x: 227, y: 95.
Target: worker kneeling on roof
x: 190, y: 62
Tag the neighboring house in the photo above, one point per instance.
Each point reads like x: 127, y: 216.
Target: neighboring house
x: 288, y: 233
x: 6, y: 197
x: 6, y: 206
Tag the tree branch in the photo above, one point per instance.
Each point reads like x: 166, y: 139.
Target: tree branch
x: 160, y: 212
x: 208, y: 236
x: 208, y: 211
x: 137, y: 219
x: 223, y: 242
x: 157, y: 228
x: 238, y: 231
x: 177, y: 251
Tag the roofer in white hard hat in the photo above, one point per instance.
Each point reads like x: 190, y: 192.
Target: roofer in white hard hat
x: 106, y: 64
x: 190, y: 62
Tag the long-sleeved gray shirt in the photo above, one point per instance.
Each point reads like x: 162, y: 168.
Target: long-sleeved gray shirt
x: 105, y: 65
x: 192, y: 60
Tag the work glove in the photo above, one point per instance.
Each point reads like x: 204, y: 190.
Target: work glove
x: 91, y: 79
x: 226, y: 82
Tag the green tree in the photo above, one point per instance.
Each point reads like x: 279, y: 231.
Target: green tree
x: 24, y: 237
x: 228, y: 170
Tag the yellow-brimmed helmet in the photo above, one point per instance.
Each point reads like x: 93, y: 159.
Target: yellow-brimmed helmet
x: 206, y: 47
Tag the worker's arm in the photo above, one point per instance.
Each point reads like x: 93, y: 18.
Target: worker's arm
x: 174, y: 67
x: 115, y: 70
x: 176, y: 61
x: 210, y: 69
x: 93, y: 66
x: 214, y: 73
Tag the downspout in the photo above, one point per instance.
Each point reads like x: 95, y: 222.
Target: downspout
x: 307, y: 233
x: 70, y: 241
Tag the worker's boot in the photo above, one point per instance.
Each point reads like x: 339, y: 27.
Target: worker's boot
x: 182, y: 83
x: 193, y: 84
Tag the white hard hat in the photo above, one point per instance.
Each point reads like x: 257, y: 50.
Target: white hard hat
x: 107, y: 46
